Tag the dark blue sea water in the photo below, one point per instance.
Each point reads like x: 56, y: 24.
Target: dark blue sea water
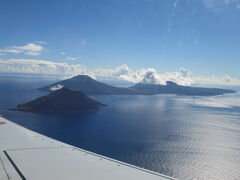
x: 183, y: 137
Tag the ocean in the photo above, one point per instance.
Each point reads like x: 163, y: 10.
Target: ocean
x: 180, y: 136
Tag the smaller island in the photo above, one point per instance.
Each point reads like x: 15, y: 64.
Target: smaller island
x: 64, y: 100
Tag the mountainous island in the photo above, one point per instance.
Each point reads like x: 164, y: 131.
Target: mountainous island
x: 64, y: 100
x: 90, y: 86
x: 173, y: 88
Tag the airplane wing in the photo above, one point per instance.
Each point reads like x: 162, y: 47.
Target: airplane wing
x: 25, y: 154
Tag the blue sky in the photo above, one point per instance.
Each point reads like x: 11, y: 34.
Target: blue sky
x: 199, y: 35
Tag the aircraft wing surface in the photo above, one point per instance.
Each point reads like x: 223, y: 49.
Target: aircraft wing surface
x: 25, y: 154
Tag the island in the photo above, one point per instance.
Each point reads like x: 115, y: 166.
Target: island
x: 63, y: 100
x: 173, y: 88
x: 90, y: 86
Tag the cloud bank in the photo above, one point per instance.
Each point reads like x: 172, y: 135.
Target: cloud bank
x: 123, y: 73
x: 30, y: 49
x: 42, y: 67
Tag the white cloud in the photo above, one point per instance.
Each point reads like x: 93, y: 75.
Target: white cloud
x: 150, y: 75
x: 69, y: 58
x: 123, y: 73
x: 56, y: 87
x: 42, y: 67
x: 30, y: 49
x: 73, y: 58
x: 146, y: 75
x: 10, y: 50
x: 32, y: 53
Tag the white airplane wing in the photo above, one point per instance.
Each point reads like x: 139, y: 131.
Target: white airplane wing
x: 25, y: 154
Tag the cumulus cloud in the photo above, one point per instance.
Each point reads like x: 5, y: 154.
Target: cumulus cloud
x: 30, y: 49
x: 123, y: 73
x: 149, y: 75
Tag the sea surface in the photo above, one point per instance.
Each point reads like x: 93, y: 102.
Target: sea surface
x: 180, y: 136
